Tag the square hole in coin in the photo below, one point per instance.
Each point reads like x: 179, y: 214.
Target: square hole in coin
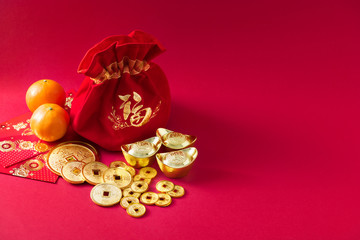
x: 96, y: 172
x: 164, y: 185
x: 76, y: 171
x: 117, y: 177
x: 106, y: 193
x: 148, y: 197
x: 71, y: 158
x: 161, y: 198
x: 175, y: 190
x: 139, y: 185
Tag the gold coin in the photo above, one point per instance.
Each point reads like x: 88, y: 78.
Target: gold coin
x: 126, y: 201
x: 120, y: 164
x: 70, y: 151
x: 177, y: 192
x: 131, y: 170
x: 139, y: 186
x: 105, y: 194
x: 136, y: 210
x: 41, y: 147
x: 129, y: 192
x: 141, y: 178
x: 118, y: 176
x: 148, y: 172
x: 93, y: 172
x: 164, y: 186
x: 164, y: 200
x: 149, y: 198
x: 34, y: 165
x: 72, y: 172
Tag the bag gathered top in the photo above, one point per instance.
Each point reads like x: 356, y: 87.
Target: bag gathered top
x: 124, y: 97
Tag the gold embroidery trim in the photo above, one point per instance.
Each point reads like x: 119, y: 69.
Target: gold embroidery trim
x: 116, y: 69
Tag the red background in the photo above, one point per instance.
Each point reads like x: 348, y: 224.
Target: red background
x: 271, y: 89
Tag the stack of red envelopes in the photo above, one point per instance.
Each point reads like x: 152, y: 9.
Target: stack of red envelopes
x: 22, y: 154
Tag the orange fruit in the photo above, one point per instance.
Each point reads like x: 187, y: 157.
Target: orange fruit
x: 49, y: 122
x: 45, y: 91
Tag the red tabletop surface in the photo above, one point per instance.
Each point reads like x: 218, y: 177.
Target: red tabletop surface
x: 270, y: 88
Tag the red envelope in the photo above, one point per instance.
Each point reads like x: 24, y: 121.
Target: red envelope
x: 22, y: 153
x: 33, y: 168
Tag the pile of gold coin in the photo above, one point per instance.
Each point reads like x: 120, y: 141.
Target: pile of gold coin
x: 167, y: 190
x: 77, y: 162
x: 136, y: 196
x: 131, y: 194
x: 131, y: 189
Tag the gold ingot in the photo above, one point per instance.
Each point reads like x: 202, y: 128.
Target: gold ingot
x: 139, y: 186
x: 164, y: 200
x: 175, y: 140
x: 148, y: 172
x: 142, y: 153
x: 126, y: 201
x: 177, y: 192
x: 105, y: 194
x: 93, y: 172
x: 72, y: 172
x: 129, y: 192
x: 141, y: 178
x: 149, y: 198
x: 117, y: 176
x: 136, y: 210
x: 70, y: 151
x: 164, y: 186
x: 177, y: 164
x: 119, y: 164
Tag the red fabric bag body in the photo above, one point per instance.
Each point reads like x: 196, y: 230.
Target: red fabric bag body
x: 124, y: 97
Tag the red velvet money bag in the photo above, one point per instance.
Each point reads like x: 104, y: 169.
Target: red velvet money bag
x: 124, y: 97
